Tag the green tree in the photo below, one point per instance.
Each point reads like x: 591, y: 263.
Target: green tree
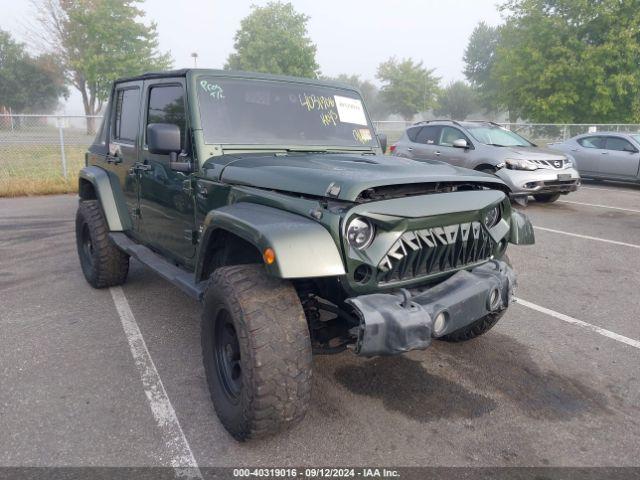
x: 28, y: 84
x: 370, y: 93
x: 479, y: 59
x: 274, y: 39
x: 408, y: 87
x: 573, y: 61
x: 98, y: 41
x: 456, y: 101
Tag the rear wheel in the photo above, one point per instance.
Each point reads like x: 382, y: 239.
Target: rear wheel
x: 547, y: 197
x: 103, y: 264
x: 256, y: 351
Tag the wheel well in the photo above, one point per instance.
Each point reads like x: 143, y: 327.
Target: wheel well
x: 225, y: 249
x: 86, y: 190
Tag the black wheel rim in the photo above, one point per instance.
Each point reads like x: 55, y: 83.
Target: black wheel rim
x: 227, y: 353
x: 87, y: 245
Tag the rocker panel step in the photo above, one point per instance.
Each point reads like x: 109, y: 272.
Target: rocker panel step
x: 167, y: 270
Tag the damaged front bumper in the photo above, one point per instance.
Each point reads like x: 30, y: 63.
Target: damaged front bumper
x: 392, y: 323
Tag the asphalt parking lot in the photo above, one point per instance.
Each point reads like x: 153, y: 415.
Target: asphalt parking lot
x: 545, y: 387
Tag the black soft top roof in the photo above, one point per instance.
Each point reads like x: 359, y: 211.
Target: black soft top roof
x: 264, y: 76
x: 150, y: 75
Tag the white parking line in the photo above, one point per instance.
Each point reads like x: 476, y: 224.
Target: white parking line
x: 182, y: 459
x: 600, y: 206
x: 587, y: 237
x: 580, y: 323
x: 621, y: 190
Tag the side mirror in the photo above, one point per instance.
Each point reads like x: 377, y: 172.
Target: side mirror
x: 460, y: 143
x: 382, y: 138
x: 164, y: 139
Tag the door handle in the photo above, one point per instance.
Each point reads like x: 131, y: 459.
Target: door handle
x: 141, y: 167
x: 409, y: 149
x: 574, y: 149
x: 437, y: 153
x: 604, y: 153
x: 114, y: 159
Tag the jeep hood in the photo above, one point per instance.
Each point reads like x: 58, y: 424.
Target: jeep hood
x: 347, y: 174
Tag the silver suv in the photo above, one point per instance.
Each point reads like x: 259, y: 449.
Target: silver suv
x: 486, y: 146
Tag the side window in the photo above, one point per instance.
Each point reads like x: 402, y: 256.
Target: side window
x: 451, y: 134
x: 412, y: 133
x: 428, y: 135
x: 125, y: 127
x: 592, y: 142
x: 166, y: 105
x: 619, y: 144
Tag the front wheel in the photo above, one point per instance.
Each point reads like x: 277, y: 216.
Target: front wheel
x: 256, y: 351
x: 480, y: 326
x: 475, y: 329
x: 547, y: 197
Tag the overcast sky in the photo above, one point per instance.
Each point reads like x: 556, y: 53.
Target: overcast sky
x: 352, y: 36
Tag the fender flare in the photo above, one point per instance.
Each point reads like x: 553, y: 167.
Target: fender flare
x: 303, y: 247
x: 109, y: 195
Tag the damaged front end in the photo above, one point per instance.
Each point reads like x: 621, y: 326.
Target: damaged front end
x: 407, y: 319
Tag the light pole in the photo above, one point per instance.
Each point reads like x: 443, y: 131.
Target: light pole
x: 195, y: 59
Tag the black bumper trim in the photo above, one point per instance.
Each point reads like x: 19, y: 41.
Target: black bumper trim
x: 392, y: 323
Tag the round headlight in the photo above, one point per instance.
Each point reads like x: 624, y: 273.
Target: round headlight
x: 492, y: 217
x: 360, y: 233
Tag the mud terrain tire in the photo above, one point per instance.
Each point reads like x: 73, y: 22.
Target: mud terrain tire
x: 256, y: 351
x: 103, y: 264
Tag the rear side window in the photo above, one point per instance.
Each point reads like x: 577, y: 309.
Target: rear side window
x: 166, y: 105
x: 412, y: 133
x: 592, y: 142
x: 619, y: 144
x: 428, y: 135
x: 127, y: 115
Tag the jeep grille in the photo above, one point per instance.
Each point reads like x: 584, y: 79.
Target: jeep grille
x: 435, y: 250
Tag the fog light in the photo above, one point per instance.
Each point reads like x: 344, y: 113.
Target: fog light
x: 440, y: 323
x: 494, y: 300
x: 362, y: 274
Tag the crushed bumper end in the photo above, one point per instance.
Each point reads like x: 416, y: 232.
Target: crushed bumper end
x: 393, y: 323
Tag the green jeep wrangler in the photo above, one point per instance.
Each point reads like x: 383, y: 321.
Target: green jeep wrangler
x: 269, y: 200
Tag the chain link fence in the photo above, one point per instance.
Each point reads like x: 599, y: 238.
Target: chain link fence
x: 43, y: 153
x: 539, y: 133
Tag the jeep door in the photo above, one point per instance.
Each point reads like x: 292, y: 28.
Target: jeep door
x: 124, y: 135
x: 166, y: 205
x: 446, y: 152
x: 621, y: 159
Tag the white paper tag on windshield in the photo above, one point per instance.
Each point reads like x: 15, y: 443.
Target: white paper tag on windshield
x: 350, y: 110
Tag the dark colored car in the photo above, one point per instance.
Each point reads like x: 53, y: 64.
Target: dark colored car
x: 298, y: 235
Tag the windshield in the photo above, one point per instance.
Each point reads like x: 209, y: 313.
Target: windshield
x: 498, y: 136
x: 636, y: 137
x: 259, y: 112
